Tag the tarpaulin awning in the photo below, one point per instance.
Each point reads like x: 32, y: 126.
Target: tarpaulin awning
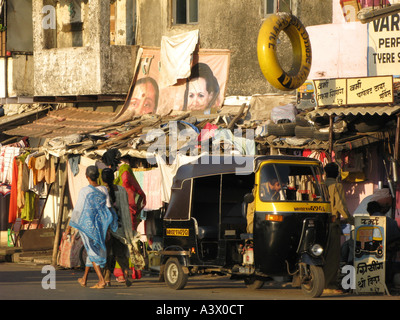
x: 345, y: 111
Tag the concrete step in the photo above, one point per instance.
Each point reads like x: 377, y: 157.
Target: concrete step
x: 38, y: 257
x: 17, y: 255
x: 6, y: 253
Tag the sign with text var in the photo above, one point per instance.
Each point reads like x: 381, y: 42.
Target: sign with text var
x: 354, y: 91
x: 384, y: 46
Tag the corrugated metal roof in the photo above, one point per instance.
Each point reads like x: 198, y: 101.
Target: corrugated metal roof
x: 370, y: 110
x: 6, y: 120
x: 64, y: 122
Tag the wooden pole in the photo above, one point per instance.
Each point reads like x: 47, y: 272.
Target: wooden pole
x: 396, y: 167
x: 64, y: 182
x: 331, y: 135
x: 397, y: 141
x: 237, y: 117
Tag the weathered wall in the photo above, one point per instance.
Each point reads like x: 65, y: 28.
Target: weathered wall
x: 92, y: 69
x: 119, y: 63
x: 20, y: 79
x: 313, y: 12
x: 19, y: 76
x: 233, y: 25
x: 19, y: 25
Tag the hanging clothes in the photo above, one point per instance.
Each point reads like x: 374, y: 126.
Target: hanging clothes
x: 13, y: 209
x: 33, y: 170
x: 152, y: 187
x: 38, y: 188
x: 168, y: 172
x: 40, y: 164
x: 316, y: 154
x: 7, y: 155
x: 5, y: 192
x: 23, y: 179
x: 50, y: 170
x: 176, y: 54
x: 28, y: 210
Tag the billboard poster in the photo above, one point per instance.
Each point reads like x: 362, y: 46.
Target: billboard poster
x: 369, y: 254
x: 203, y: 91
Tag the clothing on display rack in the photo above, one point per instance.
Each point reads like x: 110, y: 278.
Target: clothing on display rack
x: 5, y: 192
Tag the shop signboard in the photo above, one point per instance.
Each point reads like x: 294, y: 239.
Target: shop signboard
x: 370, y: 90
x: 330, y: 92
x: 384, y: 46
x: 369, y: 254
x: 354, y: 91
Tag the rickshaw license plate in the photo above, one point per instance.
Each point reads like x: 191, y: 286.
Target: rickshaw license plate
x: 177, y: 232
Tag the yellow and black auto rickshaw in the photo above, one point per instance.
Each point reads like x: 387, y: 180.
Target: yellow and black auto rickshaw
x: 205, y: 227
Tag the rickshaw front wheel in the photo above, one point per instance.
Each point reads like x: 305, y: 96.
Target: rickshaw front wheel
x: 313, y: 284
x: 253, y: 283
x: 174, y: 275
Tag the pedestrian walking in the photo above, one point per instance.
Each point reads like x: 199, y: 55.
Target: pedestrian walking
x: 92, y: 217
x: 123, y: 238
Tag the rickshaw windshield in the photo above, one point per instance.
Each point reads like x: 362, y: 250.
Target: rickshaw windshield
x: 291, y: 182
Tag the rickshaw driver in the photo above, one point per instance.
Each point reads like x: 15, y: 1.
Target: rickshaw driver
x: 269, y: 191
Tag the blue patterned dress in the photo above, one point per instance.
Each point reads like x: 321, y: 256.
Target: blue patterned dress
x: 92, y: 217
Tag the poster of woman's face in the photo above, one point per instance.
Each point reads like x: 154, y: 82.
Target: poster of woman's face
x: 203, y: 91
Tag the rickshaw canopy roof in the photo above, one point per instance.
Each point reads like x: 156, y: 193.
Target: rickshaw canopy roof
x: 215, y: 165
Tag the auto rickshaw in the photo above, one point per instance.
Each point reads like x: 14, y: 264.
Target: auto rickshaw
x: 205, y: 229
x: 369, y: 240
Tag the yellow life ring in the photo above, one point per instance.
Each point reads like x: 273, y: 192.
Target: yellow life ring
x: 266, y: 50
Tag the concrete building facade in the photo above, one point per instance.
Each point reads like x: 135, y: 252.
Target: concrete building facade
x: 84, y: 49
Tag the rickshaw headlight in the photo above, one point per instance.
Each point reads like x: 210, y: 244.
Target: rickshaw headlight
x: 316, y: 250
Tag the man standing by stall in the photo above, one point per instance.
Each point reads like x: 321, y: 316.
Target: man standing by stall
x: 339, y: 209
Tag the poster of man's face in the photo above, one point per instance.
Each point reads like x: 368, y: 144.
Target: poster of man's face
x: 203, y: 91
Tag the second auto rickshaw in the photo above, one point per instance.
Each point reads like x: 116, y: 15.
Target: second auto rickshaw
x: 208, y: 227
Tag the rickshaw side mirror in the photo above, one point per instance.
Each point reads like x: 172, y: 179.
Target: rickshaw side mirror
x: 248, y: 198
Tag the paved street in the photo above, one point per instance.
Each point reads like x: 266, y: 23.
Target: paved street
x: 24, y: 281
x: 205, y: 296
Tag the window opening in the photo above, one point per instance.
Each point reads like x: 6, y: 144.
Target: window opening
x: 185, y: 11
x: 122, y: 22
x: 274, y: 6
x: 281, y: 182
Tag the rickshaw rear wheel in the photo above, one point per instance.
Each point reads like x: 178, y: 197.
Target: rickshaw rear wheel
x: 313, y: 285
x: 174, y: 275
x: 253, y: 283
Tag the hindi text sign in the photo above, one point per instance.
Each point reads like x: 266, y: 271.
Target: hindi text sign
x: 354, y: 91
x: 369, y: 254
x: 330, y: 92
x: 371, y: 90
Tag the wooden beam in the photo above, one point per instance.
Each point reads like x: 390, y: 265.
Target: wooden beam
x: 397, y: 140
x: 44, y: 99
x: 64, y: 182
x: 331, y: 135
